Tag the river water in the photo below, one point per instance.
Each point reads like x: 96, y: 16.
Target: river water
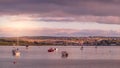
x: 39, y: 57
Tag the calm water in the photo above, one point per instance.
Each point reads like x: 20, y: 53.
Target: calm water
x: 38, y: 57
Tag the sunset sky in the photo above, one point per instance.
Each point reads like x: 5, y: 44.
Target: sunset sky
x: 60, y: 18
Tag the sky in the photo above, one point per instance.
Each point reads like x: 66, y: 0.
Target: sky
x: 79, y: 18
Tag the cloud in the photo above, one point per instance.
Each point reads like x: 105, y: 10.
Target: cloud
x: 101, y: 11
x: 90, y: 19
x: 73, y: 7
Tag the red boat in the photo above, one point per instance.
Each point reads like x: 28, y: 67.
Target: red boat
x: 52, y: 49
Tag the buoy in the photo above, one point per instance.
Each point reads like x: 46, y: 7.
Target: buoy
x: 14, y: 62
x: 27, y: 46
x: 56, y: 49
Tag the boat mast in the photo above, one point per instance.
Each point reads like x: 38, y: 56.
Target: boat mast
x: 17, y: 40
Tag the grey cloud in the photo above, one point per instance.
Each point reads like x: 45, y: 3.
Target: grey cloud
x: 90, y: 19
x: 72, y: 7
x: 57, y: 19
x: 101, y: 9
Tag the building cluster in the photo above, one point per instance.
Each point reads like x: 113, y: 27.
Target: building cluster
x: 77, y: 41
x: 63, y: 41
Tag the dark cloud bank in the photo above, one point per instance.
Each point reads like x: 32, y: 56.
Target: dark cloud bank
x: 101, y: 11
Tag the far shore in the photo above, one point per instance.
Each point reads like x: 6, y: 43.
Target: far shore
x: 61, y: 45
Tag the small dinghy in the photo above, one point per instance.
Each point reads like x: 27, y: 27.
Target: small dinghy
x: 16, y: 52
x: 52, y: 49
x: 64, y: 54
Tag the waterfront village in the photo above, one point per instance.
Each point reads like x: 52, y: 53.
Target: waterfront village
x: 61, y: 41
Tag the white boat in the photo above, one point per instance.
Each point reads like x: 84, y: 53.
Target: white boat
x: 17, y: 54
